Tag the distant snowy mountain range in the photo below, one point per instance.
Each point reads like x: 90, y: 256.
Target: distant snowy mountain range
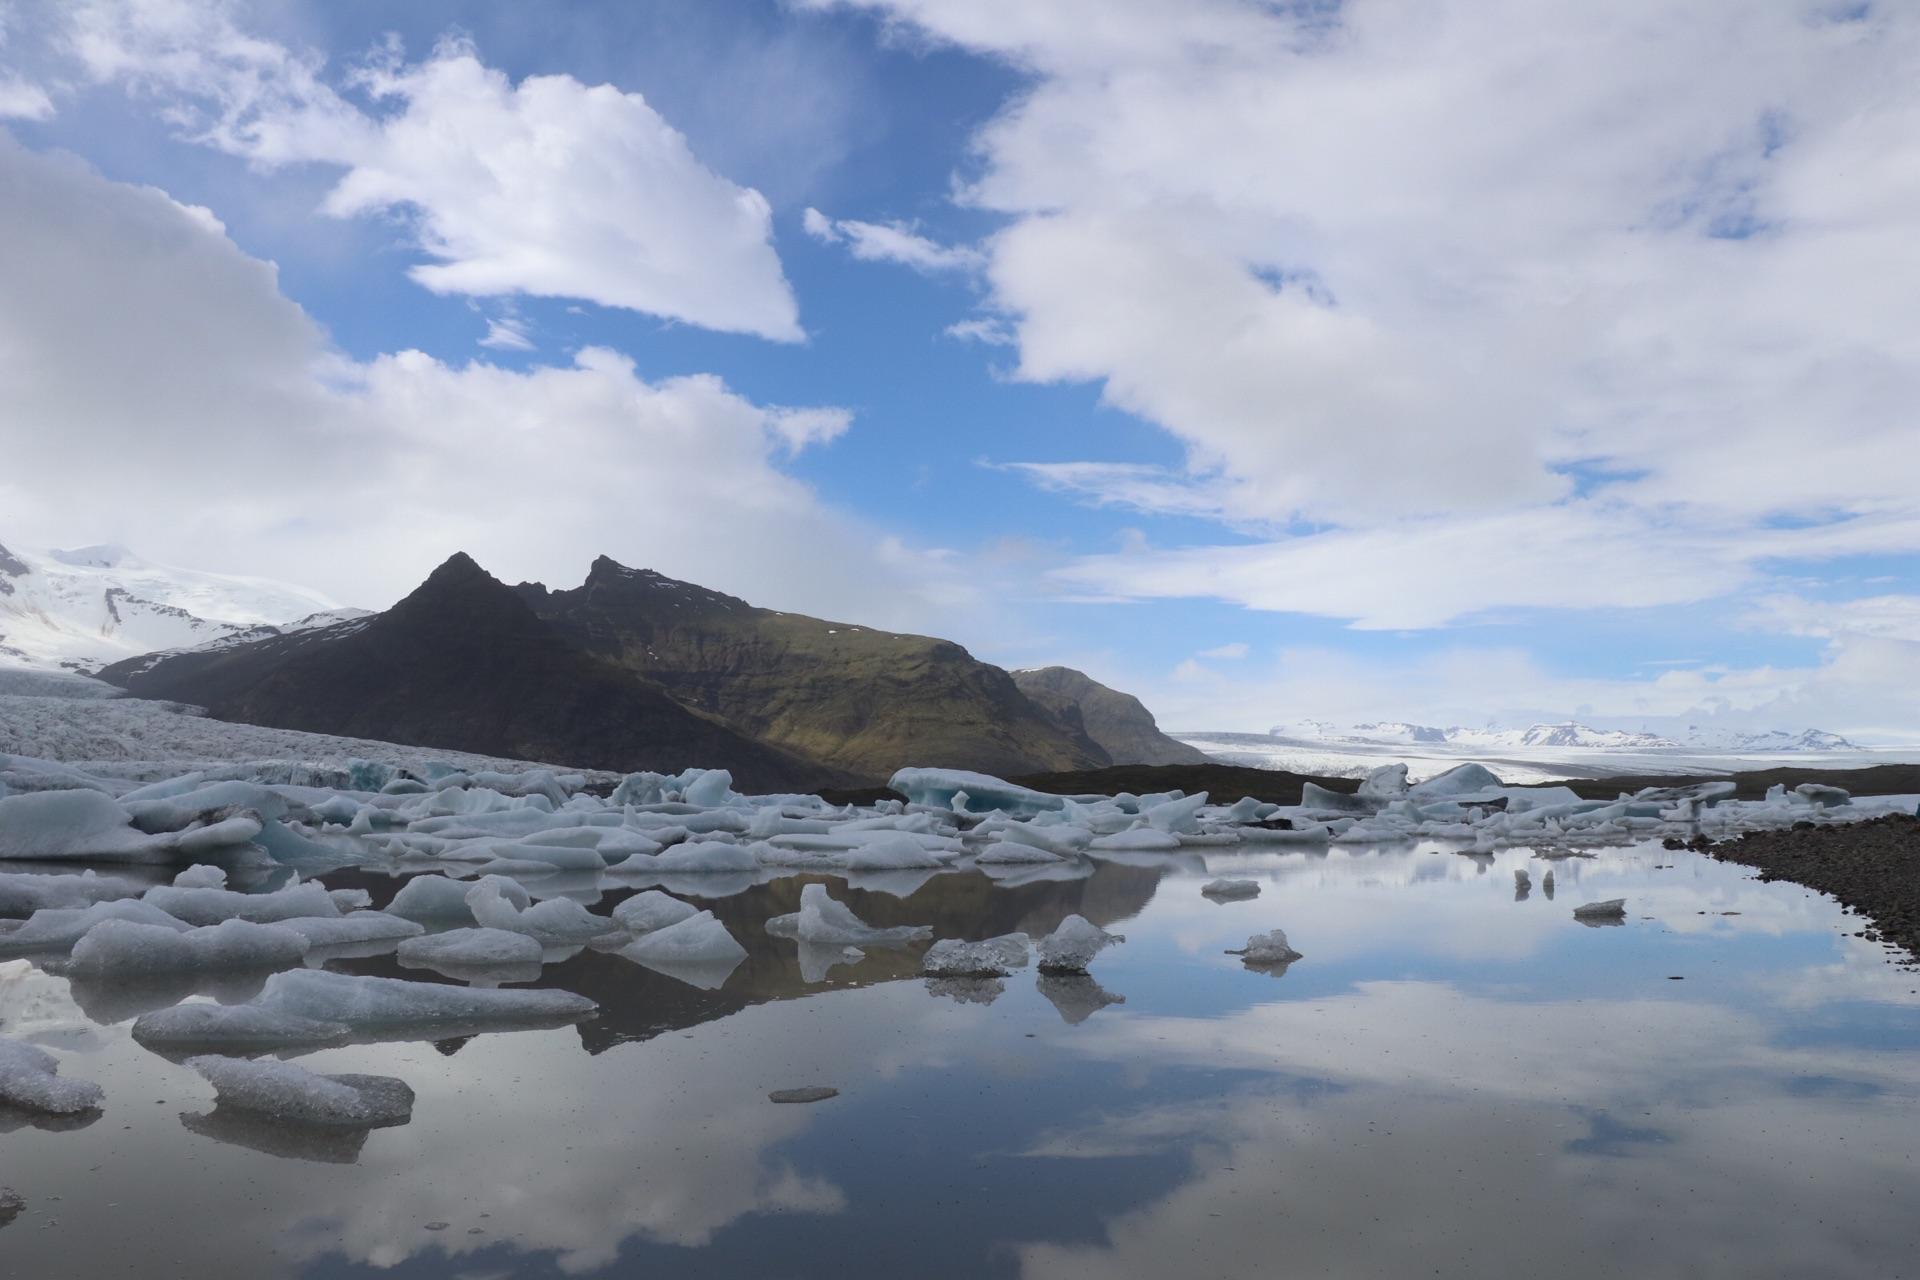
x: 79, y: 609
x: 1565, y: 735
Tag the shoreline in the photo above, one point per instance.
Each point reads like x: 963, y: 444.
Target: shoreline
x: 1870, y: 867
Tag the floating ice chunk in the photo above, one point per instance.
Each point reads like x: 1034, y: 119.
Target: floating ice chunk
x: 899, y: 852
x: 211, y: 906
x: 650, y: 910
x: 30, y: 1078
x: 1228, y: 889
x: 23, y: 894
x: 821, y: 919
x: 1461, y: 780
x: 1177, y: 816
x: 1611, y: 909
x: 557, y: 920
x: 435, y: 898
x: 471, y: 947
x: 52, y: 825
x: 1388, y: 782
x: 57, y: 928
x: 1072, y: 947
x: 1823, y: 797
x: 201, y: 876
x: 1003, y: 852
x: 293, y: 1093
x: 123, y: 947
x: 705, y: 857
x: 698, y: 940
x: 936, y: 788
x: 991, y: 958
x: 314, y: 1006
x: 345, y: 900
x: 1136, y: 840
x: 1317, y: 799
x: 708, y: 788
x: 351, y: 929
x: 1267, y: 949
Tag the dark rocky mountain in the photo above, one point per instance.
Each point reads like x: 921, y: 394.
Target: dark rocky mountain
x: 1117, y: 722
x: 463, y: 664
x: 864, y: 700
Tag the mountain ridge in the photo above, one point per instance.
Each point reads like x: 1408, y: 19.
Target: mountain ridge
x: 1562, y: 734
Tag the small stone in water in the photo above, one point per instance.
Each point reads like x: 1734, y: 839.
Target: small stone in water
x: 808, y: 1093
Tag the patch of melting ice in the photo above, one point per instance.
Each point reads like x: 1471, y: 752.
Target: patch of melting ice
x: 1456, y: 1078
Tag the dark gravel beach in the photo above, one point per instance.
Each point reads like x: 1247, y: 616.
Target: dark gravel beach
x: 1872, y: 867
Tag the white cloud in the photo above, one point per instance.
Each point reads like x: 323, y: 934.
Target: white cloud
x: 161, y: 392
x: 895, y: 242
x: 982, y: 329
x: 1882, y: 617
x: 23, y: 100
x: 507, y: 333
x: 1230, y: 652
x: 1443, y: 281
x: 547, y: 187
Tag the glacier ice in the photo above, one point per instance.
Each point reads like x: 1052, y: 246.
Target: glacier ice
x: 285, y: 1091
x: 57, y: 928
x: 698, y: 951
x: 1071, y: 947
x: 1269, y: 948
x: 554, y: 921
x: 54, y: 825
x: 30, y: 1078
x: 22, y: 894
x: 938, y: 788
x: 211, y: 906
x: 650, y: 909
x: 989, y: 958
x: 351, y: 929
x: 436, y: 899
x: 471, y: 947
x: 128, y: 948
x: 822, y: 919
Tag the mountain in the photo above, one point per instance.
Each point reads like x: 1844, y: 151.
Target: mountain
x: 1568, y: 734
x: 864, y: 700
x: 79, y: 609
x: 1117, y: 722
x: 462, y: 664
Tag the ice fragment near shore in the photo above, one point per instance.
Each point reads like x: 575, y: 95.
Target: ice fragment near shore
x: 292, y: 1093
x: 1224, y: 890
x: 991, y: 958
x: 1072, y: 947
x: 30, y: 1078
x: 1611, y: 909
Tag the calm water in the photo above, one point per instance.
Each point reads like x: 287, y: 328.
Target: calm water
x: 1452, y: 1082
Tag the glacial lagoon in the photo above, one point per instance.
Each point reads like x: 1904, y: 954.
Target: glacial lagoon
x: 1457, y: 1078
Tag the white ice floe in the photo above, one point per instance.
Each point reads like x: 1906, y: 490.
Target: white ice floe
x: 553, y: 922
x: 989, y: 958
x: 477, y: 948
x: 314, y: 1007
x: 211, y: 906
x: 1072, y: 946
x: 650, y: 909
x: 56, y: 825
x: 976, y: 792
x: 436, y: 899
x: 823, y: 920
x: 58, y: 928
x: 128, y: 949
x: 23, y: 894
x: 30, y: 1078
x: 697, y: 940
x: 294, y: 1094
x: 1227, y: 889
x: 352, y: 929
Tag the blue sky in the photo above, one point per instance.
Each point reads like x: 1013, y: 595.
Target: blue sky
x: 1455, y: 363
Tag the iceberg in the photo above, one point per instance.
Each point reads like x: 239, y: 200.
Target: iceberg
x: 471, y: 948
x: 30, y: 1079
x: 982, y: 793
x: 1072, y: 947
x: 1225, y: 890
x: 352, y: 929
x: 211, y: 906
x: 1269, y: 948
x: 23, y: 894
x: 54, y: 825
x: 823, y: 920
x: 1611, y: 909
x: 650, y: 909
x: 436, y: 899
x: 991, y: 958
x: 57, y: 928
x: 553, y: 922
x: 292, y: 1093
x: 697, y: 940
x: 124, y: 947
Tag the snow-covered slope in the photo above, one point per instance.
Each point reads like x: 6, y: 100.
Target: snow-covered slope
x: 80, y: 609
x: 1566, y: 734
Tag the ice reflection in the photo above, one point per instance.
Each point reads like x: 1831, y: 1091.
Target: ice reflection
x: 1456, y: 1077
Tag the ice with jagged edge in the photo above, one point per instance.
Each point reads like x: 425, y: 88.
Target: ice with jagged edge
x: 30, y: 1079
x: 288, y: 1092
x: 822, y: 920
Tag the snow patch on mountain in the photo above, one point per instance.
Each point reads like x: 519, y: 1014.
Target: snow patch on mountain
x: 1566, y: 734
x: 81, y: 608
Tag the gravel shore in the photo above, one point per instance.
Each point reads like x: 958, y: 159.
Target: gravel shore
x: 1872, y: 867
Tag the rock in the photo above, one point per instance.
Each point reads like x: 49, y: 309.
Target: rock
x: 806, y: 1093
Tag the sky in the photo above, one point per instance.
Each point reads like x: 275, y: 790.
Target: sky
x: 1455, y: 361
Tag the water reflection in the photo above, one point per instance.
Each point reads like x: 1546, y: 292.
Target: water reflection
x: 1459, y: 1077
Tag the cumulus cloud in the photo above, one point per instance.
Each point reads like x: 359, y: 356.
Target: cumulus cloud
x: 548, y: 187
x: 23, y: 100
x: 1432, y: 280
x: 282, y: 456
x: 895, y: 242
